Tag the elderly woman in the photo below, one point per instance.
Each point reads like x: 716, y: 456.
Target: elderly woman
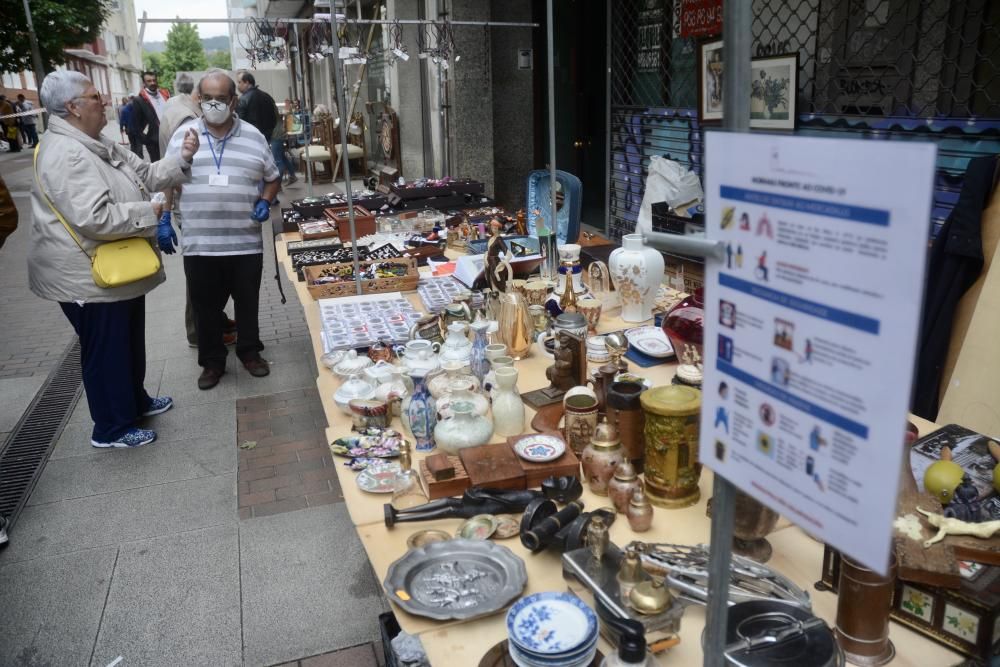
x: 102, y: 192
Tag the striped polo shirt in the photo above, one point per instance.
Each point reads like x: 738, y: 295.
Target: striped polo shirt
x: 217, y: 218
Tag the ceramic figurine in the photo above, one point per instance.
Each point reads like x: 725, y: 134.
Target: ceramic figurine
x: 508, y: 408
x: 637, y: 271
x: 600, y: 458
x: 561, y: 374
x: 464, y: 429
x: 640, y: 512
x: 622, y: 485
x: 496, y: 248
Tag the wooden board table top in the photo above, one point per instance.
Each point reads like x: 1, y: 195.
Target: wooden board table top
x: 797, y: 555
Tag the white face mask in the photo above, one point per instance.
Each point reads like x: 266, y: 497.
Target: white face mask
x: 216, y: 113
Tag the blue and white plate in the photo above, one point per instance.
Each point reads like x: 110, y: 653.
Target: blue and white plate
x: 524, y: 660
x: 551, y: 624
x: 539, y: 448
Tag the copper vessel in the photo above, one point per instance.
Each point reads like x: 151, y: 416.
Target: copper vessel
x: 863, y: 605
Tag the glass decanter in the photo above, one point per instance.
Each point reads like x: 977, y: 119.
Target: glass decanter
x: 407, y: 489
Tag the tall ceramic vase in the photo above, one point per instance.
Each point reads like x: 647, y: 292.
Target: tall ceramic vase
x: 421, y: 416
x: 637, y: 271
x: 479, y: 364
x: 508, y: 409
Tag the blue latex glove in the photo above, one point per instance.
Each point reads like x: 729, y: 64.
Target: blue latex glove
x: 166, y: 237
x: 261, y: 211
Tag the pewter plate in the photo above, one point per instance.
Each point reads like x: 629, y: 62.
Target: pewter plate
x: 458, y: 579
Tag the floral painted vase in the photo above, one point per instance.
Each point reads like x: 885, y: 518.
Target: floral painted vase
x: 478, y: 362
x: 637, y: 271
x: 421, y: 416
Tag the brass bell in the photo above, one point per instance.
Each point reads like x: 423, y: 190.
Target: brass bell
x: 650, y: 597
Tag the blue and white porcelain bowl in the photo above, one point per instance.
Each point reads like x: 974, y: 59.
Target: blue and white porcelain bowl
x: 556, y: 626
x: 523, y: 660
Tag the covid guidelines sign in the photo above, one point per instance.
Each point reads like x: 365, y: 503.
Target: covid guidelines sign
x: 811, y: 325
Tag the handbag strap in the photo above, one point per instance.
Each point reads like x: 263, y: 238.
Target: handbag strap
x: 34, y: 165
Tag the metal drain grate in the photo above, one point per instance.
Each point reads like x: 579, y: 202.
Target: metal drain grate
x: 27, y: 448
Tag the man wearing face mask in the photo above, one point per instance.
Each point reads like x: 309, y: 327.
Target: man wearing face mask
x: 147, y: 110
x: 233, y: 182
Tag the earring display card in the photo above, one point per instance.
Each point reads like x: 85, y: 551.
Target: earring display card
x: 353, y: 322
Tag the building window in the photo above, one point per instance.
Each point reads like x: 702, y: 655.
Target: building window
x: 120, y: 42
x: 29, y: 80
x: 11, y: 80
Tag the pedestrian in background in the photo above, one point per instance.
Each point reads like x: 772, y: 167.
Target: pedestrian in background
x: 9, y: 124
x: 147, y: 110
x: 28, y: 121
x: 233, y: 182
x: 89, y: 190
x: 285, y: 166
x: 8, y: 213
x: 256, y: 107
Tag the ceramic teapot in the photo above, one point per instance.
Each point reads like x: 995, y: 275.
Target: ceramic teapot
x: 419, y: 357
x: 391, y: 386
x: 457, y: 346
x: 354, y: 387
x: 352, y: 363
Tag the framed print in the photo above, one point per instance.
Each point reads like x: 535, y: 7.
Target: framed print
x: 710, y: 82
x: 773, y: 84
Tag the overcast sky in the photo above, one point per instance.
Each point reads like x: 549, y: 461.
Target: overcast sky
x: 185, y: 9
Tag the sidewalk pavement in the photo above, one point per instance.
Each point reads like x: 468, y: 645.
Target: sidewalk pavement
x: 190, y: 550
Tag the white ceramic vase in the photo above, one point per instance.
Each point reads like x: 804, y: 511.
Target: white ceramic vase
x: 508, y: 409
x: 463, y: 429
x: 637, y: 271
x: 457, y: 346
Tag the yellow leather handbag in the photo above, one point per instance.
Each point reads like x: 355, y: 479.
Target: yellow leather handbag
x: 114, y: 263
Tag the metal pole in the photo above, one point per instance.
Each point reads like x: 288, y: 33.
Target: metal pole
x: 36, y: 54
x: 480, y: 24
x: 304, y: 107
x: 607, y: 122
x: 550, y: 46
x: 338, y: 81
x: 736, y: 20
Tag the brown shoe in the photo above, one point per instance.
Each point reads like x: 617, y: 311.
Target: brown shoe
x: 257, y: 367
x: 210, y: 377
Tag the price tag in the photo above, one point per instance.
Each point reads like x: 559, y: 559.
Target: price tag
x: 218, y: 180
x: 402, y: 55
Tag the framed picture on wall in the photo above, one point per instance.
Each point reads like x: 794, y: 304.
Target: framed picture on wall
x: 710, y: 82
x: 773, y: 84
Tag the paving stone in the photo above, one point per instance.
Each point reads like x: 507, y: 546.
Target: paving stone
x: 356, y: 656
x: 284, y: 376
x: 102, y: 471
x: 291, y: 605
x: 112, y: 518
x: 15, y: 396
x: 189, y: 583
x: 50, y: 608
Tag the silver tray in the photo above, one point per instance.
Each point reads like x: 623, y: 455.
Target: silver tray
x: 458, y: 579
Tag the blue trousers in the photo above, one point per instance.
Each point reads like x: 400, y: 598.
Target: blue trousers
x: 281, y: 157
x: 113, y: 356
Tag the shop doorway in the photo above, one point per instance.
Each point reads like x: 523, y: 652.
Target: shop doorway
x: 581, y: 97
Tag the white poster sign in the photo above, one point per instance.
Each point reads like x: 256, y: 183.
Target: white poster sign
x: 811, y: 325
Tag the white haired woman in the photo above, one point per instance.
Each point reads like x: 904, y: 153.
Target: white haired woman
x: 102, y: 192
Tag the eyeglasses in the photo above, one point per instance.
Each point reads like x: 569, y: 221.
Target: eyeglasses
x: 96, y: 97
x: 220, y: 99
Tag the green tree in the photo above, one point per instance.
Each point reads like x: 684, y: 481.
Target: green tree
x: 59, y: 24
x: 184, y: 52
x: 220, y: 59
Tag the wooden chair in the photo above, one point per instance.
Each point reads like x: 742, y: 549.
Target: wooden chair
x: 357, y: 149
x: 319, y: 148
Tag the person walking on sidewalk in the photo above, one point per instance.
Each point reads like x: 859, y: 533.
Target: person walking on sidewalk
x: 256, y: 107
x: 9, y: 124
x: 28, y: 121
x: 89, y: 190
x: 285, y: 165
x: 147, y: 110
x: 181, y: 108
x: 233, y: 182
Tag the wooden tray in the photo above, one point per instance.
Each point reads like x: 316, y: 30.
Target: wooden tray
x: 364, y: 221
x: 374, y: 286
x: 448, y: 487
x: 493, y: 466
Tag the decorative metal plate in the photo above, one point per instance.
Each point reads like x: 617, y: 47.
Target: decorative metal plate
x: 457, y: 579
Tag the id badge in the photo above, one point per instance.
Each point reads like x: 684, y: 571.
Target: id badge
x: 218, y: 180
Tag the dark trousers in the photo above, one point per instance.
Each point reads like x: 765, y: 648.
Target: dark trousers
x: 153, y: 149
x: 211, y: 280
x: 135, y: 143
x: 31, y: 133
x: 113, y: 356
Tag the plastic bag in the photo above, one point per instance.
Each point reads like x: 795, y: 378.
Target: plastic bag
x: 670, y: 182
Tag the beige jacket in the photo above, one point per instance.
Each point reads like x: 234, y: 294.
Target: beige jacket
x: 102, y: 190
x: 178, y: 109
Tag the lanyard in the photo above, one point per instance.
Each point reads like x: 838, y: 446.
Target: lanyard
x: 222, y: 149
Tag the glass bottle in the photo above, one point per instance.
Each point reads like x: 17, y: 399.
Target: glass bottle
x: 407, y: 489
